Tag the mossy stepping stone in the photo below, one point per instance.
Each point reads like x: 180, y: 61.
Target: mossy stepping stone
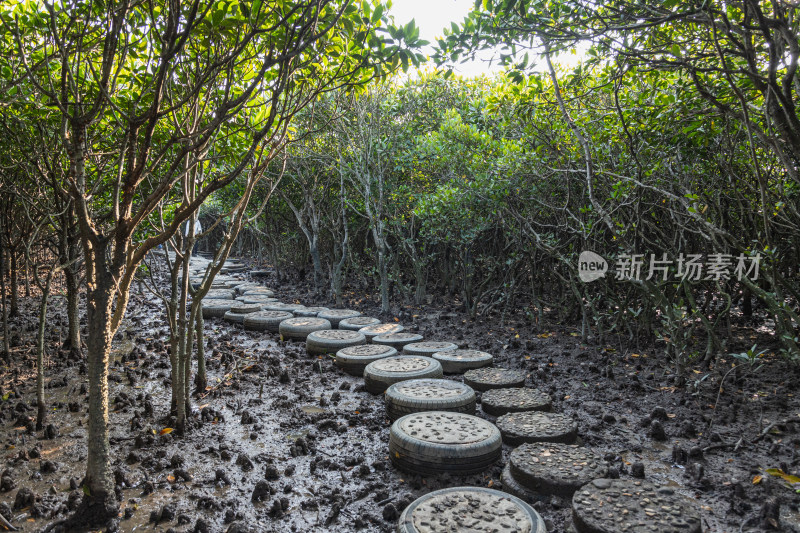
x: 633, y: 506
x: 357, y: 322
x: 555, y: 468
x: 370, y: 332
x: 428, y: 348
x: 417, y: 395
x: 438, y: 442
x: 469, y: 509
x: 458, y: 361
x: 536, y: 426
x: 497, y: 402
x: 397, y: 340
x: 354, y: 359
x: 483, y: 379
x: 380, y: 374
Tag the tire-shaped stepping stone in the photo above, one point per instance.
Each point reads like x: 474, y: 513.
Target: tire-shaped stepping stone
x: 379, y: 374
x: 483, y: 379
x: 370, y: 332
x: 257, y: 299
x: 354, y: 359
x: 238, y: 311
x: 537, y: 426
x: 553, y: 468
x: 242, y: 288
x: 458, y: 361
x: 216, y: 308
x: 265, y: 320
x: 337, y: 315
x: 309, y: 311
x: 280, y: 306
x: 332, y: 340
x: 418, y: 395
x: 473, y: 509
x: 438, y: 442
x: 397, y: 340
x: 633, y: 506
x: 428, y: 348
x: 300, y: 327
x: 219, y: 294
x: 261, y: 291
x: 357, y: 322
x: 497, y: 402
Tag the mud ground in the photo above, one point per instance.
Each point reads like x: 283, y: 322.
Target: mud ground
x: 286, y: 442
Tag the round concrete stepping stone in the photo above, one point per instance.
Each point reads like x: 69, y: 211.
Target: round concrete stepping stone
x: 265, y: 320
x: 497, y: 402
x: 354, y: 359
x: 437, y: 442
x: 470, y: 509
x: 260, y: 292
x: 370, y: 332
x: 257, y: 299
x: 418, y: 395
x: 300, y: 327
x: 555, y: 468
x: 280, y: 306
x: 512, y: 486
x: 243, y: 288
x: 357, y: 322
x: 458, y: 361
x: 235, y: 318
x: 379, y: 374
x: 219, y: 294
x: 622, y: 505
x: 397, y: 340
x: 536, y: 426
x: 309, y: 311
x: 239, y: 310
x: 332, y: 340
x: 483, y: 379
x: 428, y: 348
x: 216, y: 308
x: 337, y: 315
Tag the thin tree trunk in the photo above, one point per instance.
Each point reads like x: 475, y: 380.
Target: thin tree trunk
x: 73, y: 311
x: 41, y: 408
x: 201, y: 379
x: 14, y: 280
x: 6, y: 341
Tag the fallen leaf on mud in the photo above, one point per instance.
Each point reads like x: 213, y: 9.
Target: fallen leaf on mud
x: 777, y: 472
x: 634, y: 355
x: 165, y: 431
x: 757, y: 480
x: 171, y: 478
x: 491, y: 483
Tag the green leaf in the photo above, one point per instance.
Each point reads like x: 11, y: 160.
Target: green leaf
x: 377, y: 14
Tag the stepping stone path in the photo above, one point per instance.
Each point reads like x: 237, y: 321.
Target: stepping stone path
x: 332, y: 340
x: 544, y: 469
x: 470, y: 509
x: 497, y: 402
x: 257, y: 299
x: 626, y: 506
x: 355, y: 359
x: 265, y: 320
x: 536, y: 426
x: 358, y: 322
x: 217, y: 308
x: 259, y: 292
x: 397, y: 340
x: 418, y: 395
x: 438, y: 442
x: 279, y: 306
x: 300, y: 327
x: 483, y: 379
x: 378, y: 375
x: 458, y: 361
x: 337, y: 315
x: 370, y: 332
x: 428, y: 348
x: 219, y: 294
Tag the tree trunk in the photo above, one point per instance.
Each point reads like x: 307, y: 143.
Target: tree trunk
x: 73, y: 311
x: 6, y: 341
x: 201, y: 379
x: 14, y: 280
x: 384, y: 275
x: 101, y: 499
x: 41, y: 408
x: 313, y: 249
